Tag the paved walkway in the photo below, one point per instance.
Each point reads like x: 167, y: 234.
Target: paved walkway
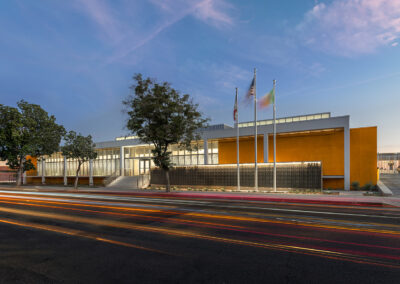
x: 347, y: 199
x: 392, y: 181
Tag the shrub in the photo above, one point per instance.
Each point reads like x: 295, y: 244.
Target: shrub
x: 355, y: 185
x: 368, y: 187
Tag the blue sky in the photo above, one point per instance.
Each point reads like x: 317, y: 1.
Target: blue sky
x: 76, y: 58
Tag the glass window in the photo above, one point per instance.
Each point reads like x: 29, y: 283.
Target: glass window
x: 215, y: 159
x: 201, y: 159
x: 201, y: 148
x: 317, y: 116
x: 194, y: 159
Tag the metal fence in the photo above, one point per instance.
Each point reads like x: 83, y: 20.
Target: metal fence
x: 288, y: 175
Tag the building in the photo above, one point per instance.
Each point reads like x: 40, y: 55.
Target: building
x: 7, y: 175
x: 347, y: 154
x: 389, y: 162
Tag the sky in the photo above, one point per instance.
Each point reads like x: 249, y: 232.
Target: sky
x: 77, y: 58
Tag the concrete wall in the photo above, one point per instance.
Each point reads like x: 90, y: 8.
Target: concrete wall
x: 99, y: 181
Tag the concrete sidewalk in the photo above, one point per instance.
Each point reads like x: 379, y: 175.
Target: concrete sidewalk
x: 347, y: 199
x: 392, y: 181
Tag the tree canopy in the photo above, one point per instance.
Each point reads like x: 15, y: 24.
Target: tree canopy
x: 160, y: 115
x: 27, y: 130
x: 80, y: 148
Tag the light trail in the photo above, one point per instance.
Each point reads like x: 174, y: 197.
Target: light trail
x: 176, y: 232
x: 206, y: 224
x: 237, y: 218
x: 76, y: 233
x: 176, y: 200
x: 159, y: 219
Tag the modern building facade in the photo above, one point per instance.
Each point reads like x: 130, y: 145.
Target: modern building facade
x: 347, y: 154
x: 389, y: 162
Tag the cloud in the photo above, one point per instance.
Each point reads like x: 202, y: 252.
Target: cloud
x: 103, y: 16
x: 351, y: 27
x: 209, y: 11
x: 119, y: 32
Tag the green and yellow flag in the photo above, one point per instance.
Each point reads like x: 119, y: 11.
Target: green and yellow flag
x: 267, y: 99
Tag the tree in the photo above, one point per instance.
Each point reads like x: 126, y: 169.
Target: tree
x: 27, y: 131
x: 160, y: 115
x: 80, y: 148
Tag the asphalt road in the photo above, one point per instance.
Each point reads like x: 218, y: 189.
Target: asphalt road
x: 92, y: 238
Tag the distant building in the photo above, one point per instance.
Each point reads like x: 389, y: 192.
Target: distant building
x: 6, y: 174
x: 346, y: 154
x: 389, y: 162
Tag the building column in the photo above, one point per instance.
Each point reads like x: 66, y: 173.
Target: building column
x: 65, y: 172
x: 265, y: 147
x: 43, y: 171
x: 122, y: 161
x: 347, y: 157
x: 91, y: 172
x: 205, y: 142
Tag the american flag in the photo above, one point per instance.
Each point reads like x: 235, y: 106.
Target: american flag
x: 235, y: 110
x: 250, y: 92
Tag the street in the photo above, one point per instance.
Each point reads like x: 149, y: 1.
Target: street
x: 50, y: 237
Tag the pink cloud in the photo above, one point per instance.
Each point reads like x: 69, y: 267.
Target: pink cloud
x: 209, y: 11
x: 351, y: 27
x: 102, y: 15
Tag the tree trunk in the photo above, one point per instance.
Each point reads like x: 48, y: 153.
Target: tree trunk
x: 167, y: 185
x: 20, y: 171
x: 19, y: 175
x: 77, y: 176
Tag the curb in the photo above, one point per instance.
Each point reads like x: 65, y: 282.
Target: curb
x: 245, y: 198
x: 221, y: 197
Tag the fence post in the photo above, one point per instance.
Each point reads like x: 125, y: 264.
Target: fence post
x: 91, y: 172
x: 43, y: 171
x: 65, y: 172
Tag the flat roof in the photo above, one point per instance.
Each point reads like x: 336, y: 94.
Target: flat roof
x: 288, y: 119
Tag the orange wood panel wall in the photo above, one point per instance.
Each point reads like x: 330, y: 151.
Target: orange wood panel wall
x: 35, y: 163
x: 227, y: 150
x: 363, y: 155
x: 325, y: 146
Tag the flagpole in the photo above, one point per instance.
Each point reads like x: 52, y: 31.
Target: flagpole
x: 255, y: 134
x: 237, y: 142
x: 274, y: 81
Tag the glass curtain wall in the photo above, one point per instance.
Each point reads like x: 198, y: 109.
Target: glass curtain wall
x: 107, y: 162
x: 72, y: 166
x: 182, y: 157
x: 213, y: 152
x: 133, y: 155
x: 54, y: 165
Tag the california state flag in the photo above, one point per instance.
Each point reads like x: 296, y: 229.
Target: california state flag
x: 235, y: 109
